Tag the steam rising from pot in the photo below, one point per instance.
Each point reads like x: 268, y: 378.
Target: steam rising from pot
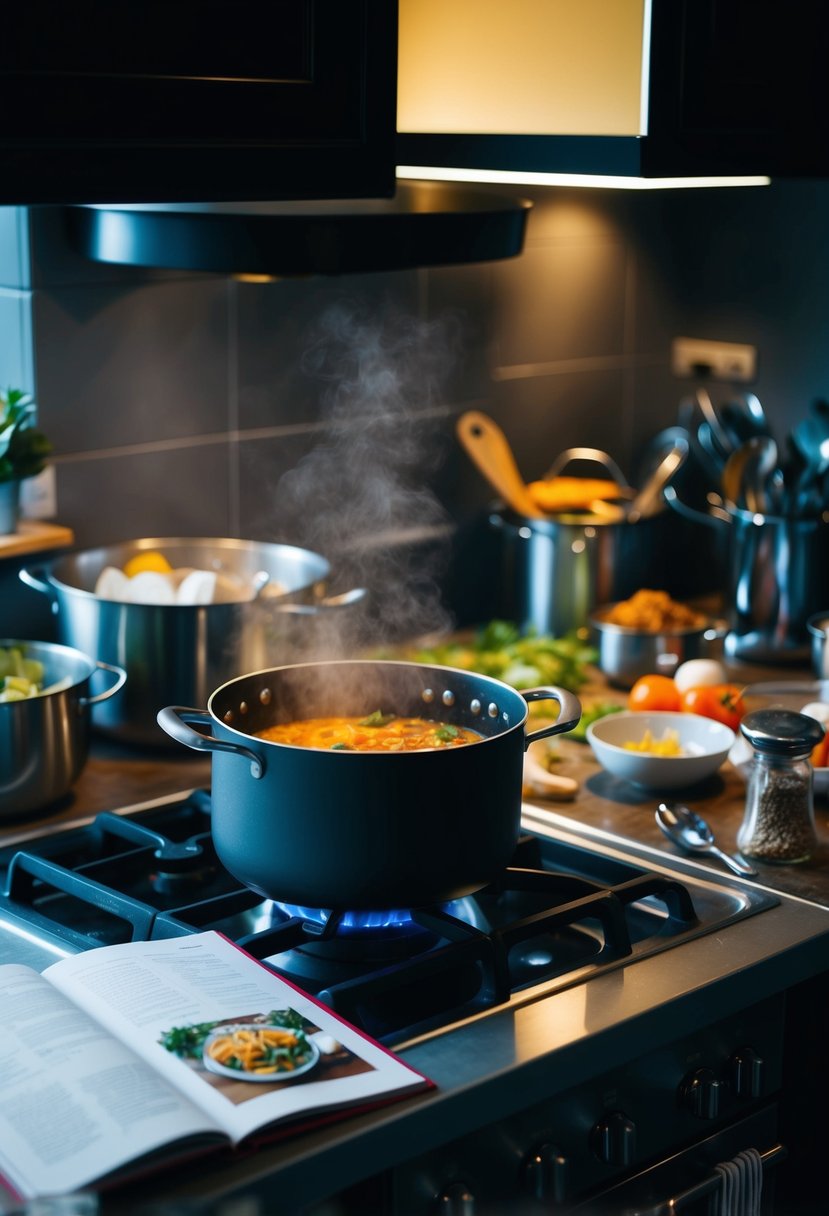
x: 360, y: 496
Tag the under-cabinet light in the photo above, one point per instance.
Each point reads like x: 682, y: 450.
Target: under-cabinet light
x: 596, y: 181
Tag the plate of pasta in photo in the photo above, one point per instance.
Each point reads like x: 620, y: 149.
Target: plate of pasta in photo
x: 250, y: 1051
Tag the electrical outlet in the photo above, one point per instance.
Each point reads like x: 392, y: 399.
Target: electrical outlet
x: 720, y: 360
x: 38, y: 495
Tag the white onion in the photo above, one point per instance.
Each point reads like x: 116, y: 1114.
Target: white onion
x: 149, y: 587
x: 699, y: 673
x: 198, y: 587
x: 112, y: 584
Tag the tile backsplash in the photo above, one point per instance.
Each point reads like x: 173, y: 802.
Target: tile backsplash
x: 183, y: 404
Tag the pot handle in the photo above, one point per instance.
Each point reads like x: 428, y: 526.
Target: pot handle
x: 328, y: 604
x: 120, y: 680
x: 569, y: 711
x: 713, y: 517
x: 173, y: 720
x: 36, y: 579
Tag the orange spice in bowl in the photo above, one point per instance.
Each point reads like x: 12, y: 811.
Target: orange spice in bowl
x: 653, y: 612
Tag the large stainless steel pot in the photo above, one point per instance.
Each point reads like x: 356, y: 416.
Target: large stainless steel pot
x: 181, y: 652
x: 554, y: 571
x: 355, y: 830
x: 44, y: 740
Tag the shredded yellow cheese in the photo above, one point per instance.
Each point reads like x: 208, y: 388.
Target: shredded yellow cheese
x: 668, y: 745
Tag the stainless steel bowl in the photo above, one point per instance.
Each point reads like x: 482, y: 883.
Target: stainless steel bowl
x: 625, y: 654
x: 44, y: 740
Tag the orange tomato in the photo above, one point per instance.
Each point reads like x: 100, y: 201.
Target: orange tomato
x: 820, y: 754
x: 654, y: 692
x: 722, y: 702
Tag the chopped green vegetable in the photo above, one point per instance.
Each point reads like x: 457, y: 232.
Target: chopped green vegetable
x: 340, y: 747
x: 523, y: 660
x: 446, y: 732
x: 20, y: 678
x: 187, y: 1042
x: 378, y: 718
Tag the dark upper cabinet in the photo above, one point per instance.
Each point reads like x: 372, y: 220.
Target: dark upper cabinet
x: 738, y: 86
x: 183, y: 100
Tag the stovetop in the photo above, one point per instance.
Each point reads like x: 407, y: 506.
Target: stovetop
x: 561, y: 912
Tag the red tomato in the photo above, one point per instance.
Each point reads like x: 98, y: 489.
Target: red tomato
x: 820, y: 754
x: 654, y: 692
x: 722, y: 702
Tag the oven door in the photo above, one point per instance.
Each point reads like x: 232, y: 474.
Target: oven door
x: 689, y: 1182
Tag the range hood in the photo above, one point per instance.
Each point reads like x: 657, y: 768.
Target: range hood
x: 423, y: 224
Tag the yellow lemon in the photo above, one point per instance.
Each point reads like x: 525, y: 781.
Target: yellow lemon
x: 156, y: 563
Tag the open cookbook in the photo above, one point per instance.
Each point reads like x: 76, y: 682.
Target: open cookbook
x: 126, y: 1057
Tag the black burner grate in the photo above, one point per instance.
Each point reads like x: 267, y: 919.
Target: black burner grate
x: 155, y: 874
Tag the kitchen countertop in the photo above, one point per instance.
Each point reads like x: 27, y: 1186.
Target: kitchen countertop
x: 536, y: 1048
x: 609, y: 805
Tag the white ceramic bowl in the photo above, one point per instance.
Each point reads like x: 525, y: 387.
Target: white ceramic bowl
x: 705, y: 745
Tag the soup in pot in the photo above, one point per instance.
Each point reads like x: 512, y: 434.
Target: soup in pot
x: 378, y: 732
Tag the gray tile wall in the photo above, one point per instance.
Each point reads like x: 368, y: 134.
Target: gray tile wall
x: 187, y: 404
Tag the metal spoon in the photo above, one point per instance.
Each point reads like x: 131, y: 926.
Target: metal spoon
x: 649, y: 498
x: 747, y: 471
x: 687, y: 829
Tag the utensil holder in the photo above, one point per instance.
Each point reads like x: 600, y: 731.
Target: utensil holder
x: 778, y: 578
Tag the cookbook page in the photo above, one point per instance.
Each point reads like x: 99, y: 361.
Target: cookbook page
x: 75, y: 1103
x: 247, y: 1047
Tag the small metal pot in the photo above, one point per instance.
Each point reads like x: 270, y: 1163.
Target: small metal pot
x: 44, y: 740
x: 625, y: 654
x: 181, y: 652
x: 358, y: 830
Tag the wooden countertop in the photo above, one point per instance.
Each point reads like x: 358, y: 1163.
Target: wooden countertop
x: 116, y: 776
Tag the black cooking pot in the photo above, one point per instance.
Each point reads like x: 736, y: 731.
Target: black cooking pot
x: 358, y: 830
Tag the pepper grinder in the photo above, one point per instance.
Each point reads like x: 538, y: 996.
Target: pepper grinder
x: 779, y: 821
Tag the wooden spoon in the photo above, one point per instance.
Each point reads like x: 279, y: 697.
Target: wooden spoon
x: 489, y: 448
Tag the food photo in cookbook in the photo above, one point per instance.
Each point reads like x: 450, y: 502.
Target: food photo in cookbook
x: 242, y: 1056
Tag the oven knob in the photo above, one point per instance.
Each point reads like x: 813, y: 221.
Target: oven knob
x: 456, y: 1200
x: 747, y: 1073
x: 700, y: 1093
x: 614, y: 1139
x: 545, y: 1174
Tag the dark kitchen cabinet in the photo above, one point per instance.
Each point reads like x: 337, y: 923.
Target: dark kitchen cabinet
x: 120, y: 101
x: 738, y: 86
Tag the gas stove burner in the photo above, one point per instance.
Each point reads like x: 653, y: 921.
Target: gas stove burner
x: 369, y: 935
x: 348, y: 922
x: 360, y: 937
